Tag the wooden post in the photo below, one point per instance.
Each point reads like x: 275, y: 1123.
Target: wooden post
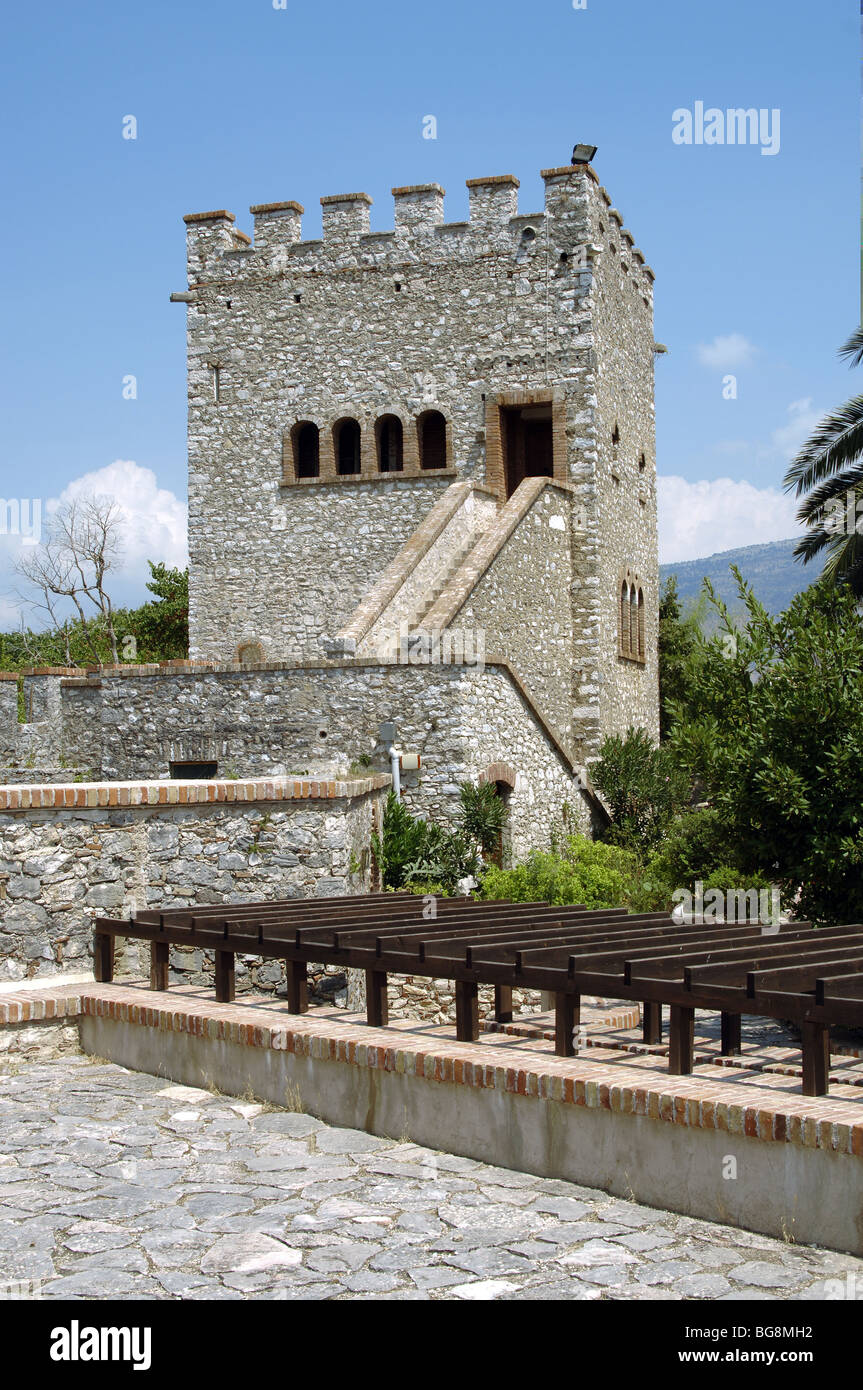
x: 503, y: 1003
x: 567, y: 1015
x: 651, y: 1022
x: 466, y: 1010
x: 731, y: 1036
x: 298, y: 986
x: 159, y: 961
x: 816, y: 1058
x: 225, y: 982
x: 377, y: 1007
x: 681, y: 1040
x: 103, y: 957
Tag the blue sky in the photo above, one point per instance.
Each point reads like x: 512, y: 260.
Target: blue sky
x: 756, y: 256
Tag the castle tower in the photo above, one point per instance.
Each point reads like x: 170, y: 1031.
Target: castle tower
x: 442, y: 426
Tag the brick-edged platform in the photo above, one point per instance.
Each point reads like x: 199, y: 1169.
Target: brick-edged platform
x: 720, y: 1144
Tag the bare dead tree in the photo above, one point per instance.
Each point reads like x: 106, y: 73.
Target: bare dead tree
x: 81, y: 547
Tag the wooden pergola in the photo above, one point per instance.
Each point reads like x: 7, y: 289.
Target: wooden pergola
x: 813, y: 978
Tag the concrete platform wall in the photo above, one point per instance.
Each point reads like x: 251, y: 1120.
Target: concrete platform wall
x: 773, y: 1163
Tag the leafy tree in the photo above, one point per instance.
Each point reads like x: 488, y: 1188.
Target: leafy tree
x: 159, y: 629
x: 776, y: 734
x: 643, y: 786
x: 162, y: 628
x: 679, y: 651
x: 827, y: 469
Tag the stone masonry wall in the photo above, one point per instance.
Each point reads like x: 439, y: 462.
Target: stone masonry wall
x: 69, y: 854
x: 521, y: 606
x: 319, y: 720
x: 621, y: 303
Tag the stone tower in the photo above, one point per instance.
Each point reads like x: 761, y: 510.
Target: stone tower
x: 446, y: 428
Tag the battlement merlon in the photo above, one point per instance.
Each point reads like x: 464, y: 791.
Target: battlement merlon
x: 574, y: 204
x: 277, y: 225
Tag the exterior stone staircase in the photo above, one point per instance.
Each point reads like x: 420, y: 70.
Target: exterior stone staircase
x: 437, y: 568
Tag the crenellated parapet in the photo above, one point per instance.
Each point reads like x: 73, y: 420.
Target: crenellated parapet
x: 574, y: 205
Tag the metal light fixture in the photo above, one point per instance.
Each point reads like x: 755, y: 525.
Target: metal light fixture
x: 583, y: 154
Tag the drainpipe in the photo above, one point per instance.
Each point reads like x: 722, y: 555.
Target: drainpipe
x: 394, y: 768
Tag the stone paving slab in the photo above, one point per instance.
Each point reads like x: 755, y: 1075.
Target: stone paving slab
x: 115, y: 1184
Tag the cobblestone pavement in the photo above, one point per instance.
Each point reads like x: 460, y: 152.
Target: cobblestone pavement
x: 116, y: 1184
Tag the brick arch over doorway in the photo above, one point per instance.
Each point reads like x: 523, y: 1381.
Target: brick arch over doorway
x: 499, y: 772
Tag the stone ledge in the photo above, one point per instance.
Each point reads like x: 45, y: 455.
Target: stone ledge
x: 93, y: 795
x: 259, y: 208
x: 830, y: 1124
x: 401, y: 476
x: 220, y: 215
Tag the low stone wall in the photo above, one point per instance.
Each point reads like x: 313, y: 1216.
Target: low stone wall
x: 72, y: 852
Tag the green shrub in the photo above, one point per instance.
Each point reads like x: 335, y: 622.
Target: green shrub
x: 411, y: 850
x: 728, y: 880
x: 693, y: 846
x: 482, y: 814
x: 588, y: 872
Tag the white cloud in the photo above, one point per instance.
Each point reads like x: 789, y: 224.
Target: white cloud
x: 152, y: 527
x: 726, y: 351
x: 702, y: 518
x: 790, y: 437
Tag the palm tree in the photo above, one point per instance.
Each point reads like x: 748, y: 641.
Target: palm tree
x: 827, y: 469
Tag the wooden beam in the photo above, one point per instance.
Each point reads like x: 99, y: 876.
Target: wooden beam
x: 731, y: 1036
x: 816, y: 1058
x: 103, y: 957
x: 225, y: 978
x: 466, y: 1010
x: 159, y: 964
x: 503, y: 1003
x: 567, y: 1017
x: 298, y: 986
x: 377, y: 1005
x: 681, y: 1040
x: 651, y: 1022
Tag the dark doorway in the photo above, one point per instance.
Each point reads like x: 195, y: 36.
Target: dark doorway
x: 431, y: 434
x: 194, y: 772
x: 498, y: 855
x: 527, y: 444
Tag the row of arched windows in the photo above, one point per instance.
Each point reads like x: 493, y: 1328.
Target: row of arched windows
x: 431, y: 445
x: 631, y: 633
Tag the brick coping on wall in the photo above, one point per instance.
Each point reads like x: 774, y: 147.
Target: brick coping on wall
x: 84, y: 795
x: 831, y: 1124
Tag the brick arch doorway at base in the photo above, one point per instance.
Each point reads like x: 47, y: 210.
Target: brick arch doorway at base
x: 503, y: 777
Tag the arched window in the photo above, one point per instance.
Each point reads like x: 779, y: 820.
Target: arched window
x: 431, y: 439
x: 633, y: 622
x: 632, y: 635
x: 389, y: 439
x: 305, y: 448
x: 346, y: 445
x: 624, y: 619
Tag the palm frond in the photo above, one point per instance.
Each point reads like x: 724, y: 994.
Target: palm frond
x: 812, y: 507
x: 836, y: 443
x: 852, y: 351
